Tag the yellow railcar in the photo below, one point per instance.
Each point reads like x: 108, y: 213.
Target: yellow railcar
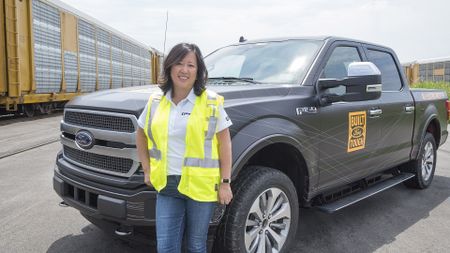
x: 50, y: 52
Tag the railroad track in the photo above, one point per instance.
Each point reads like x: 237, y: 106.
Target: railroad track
x: 21, y: 150
x: 19, y: 134
x: 6, y: 119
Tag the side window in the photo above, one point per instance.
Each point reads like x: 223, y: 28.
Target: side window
x: 390, y: 77
x: 337, y: 65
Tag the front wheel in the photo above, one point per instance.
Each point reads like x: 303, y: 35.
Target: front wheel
x: 263, y: 216
x: 424, y: 166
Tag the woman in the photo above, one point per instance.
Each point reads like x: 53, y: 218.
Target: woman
x: 184, y: 146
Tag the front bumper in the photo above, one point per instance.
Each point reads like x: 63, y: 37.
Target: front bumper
x: 128, y: 208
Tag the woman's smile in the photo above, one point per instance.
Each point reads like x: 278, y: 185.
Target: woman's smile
x: 184, y: 73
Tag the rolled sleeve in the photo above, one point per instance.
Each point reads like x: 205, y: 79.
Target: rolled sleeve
x: 142, y: 117
x: 223, y: 121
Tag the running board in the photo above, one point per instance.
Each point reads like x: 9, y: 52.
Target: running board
x: 372, y: 190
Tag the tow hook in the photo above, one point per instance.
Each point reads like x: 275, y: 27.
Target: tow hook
x: 63, y: 204
x: 124, y: 230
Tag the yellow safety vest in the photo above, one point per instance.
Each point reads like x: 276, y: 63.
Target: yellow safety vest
x: 200, y: 173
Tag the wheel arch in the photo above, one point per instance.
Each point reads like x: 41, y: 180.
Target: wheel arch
x: 280, y: 151
x: 434, y: 128
x: 431, y: 126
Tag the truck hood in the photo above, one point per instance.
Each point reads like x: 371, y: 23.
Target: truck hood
x: 133, y: 99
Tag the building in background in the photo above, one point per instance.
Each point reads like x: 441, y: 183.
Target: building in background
x: 430, y: 70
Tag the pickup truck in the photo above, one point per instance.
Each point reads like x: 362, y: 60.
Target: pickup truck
x: 319, y: 122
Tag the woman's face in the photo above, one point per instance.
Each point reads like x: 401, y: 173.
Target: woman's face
x: 184, y: 73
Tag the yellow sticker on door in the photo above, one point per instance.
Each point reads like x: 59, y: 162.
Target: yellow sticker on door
x: 356, y: 131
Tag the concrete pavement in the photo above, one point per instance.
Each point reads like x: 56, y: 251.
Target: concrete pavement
x: 397, y: 220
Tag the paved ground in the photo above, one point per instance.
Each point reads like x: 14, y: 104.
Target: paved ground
x: 20, y: 133
x: 398, y: 220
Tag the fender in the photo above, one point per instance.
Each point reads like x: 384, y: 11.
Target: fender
x: 430, y: 113
x: 266, y: 131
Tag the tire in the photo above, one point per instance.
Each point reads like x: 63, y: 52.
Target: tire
x: 246, y: 227
x: 424, y: 166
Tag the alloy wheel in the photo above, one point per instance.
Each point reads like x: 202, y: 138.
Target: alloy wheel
x: 427, y: 161
x: 268, y: 222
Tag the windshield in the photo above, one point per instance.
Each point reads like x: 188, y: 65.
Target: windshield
x: 281, y: 62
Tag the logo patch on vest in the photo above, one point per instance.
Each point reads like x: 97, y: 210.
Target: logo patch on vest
x: 185, y: 113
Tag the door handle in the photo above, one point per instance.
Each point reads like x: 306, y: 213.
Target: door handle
x: 409, y: 108
x: 375, y: 112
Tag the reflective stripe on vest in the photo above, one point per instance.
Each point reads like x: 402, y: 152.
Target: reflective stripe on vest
x: 212, y: 123
x: 201, y: 166
x: 154, y: 152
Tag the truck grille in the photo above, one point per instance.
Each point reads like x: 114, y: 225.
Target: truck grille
x: 100, y: 162
x: 100, y: 121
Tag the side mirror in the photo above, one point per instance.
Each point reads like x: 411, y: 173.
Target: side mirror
x: 363, y: 82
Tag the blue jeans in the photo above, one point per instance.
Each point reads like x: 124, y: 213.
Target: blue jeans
x: 177, y: 216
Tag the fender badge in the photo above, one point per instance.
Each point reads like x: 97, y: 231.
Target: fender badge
x: 301, y: 110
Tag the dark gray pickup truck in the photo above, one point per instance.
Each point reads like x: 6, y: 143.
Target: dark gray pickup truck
x: 320, y: 122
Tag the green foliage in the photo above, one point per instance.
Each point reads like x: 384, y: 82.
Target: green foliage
x: 432, y: 85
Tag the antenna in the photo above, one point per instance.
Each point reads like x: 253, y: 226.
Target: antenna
x: 165, y: 32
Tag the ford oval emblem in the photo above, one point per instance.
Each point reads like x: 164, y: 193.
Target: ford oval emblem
x: 84, y: 139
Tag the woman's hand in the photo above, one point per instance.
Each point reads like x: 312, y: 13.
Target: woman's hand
x: 225, y: 194
x: 141, y: 144
x: 147, y: 180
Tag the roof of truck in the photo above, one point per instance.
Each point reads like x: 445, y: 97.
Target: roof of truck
x: 322, y: 38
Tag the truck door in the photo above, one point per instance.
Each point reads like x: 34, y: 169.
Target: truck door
x: 348, y: 133
x: 397, y: 107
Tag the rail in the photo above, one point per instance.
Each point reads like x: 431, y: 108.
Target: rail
x: 15, y: 152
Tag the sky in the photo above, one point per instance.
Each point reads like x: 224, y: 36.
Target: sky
x: 415, y: 29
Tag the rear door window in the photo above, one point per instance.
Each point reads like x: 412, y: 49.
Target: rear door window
x: 390, y: 78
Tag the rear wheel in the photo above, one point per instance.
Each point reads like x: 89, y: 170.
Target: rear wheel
x: 263, y: 215
x: 424, y: 166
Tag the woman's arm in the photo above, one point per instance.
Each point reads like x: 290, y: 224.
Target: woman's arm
x: 142, y: 149
x: 224, y: 139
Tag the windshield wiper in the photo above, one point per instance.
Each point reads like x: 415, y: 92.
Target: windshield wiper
x: 230, y: 78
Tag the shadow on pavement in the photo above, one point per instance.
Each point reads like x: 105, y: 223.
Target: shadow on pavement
x: 371, y: 223
x: 363, y: 227
x: 93, y: 239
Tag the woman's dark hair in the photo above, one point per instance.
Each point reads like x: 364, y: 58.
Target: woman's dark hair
x: 176, y: 54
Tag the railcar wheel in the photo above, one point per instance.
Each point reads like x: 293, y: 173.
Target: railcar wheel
x: 29, y: 110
